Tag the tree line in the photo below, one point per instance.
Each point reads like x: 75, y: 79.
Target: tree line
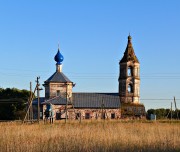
x: 13, y: 103
x: 162, y: 113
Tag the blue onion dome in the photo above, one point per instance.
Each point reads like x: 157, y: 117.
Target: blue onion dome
x: 59, y: 58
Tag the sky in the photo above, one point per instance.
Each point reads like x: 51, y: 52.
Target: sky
x: 92, y: 35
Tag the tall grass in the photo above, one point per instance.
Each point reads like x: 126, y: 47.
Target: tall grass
x: 90, y: 137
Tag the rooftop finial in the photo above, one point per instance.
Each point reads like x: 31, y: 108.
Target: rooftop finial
x: 129, y: 39
x: 58, y: 46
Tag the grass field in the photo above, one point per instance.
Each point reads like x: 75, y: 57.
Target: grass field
x: 90, y: 136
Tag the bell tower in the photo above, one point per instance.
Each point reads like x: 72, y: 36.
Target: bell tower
x: 129, y: 78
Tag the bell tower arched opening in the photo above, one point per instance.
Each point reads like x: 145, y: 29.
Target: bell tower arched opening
x: 130, y: 88
x: 130, y: 71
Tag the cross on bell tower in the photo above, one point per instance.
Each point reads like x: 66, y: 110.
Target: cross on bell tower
x: 129, y: 78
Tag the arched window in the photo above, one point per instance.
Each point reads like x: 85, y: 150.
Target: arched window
x: 130, y: 88
x: 130, y: 71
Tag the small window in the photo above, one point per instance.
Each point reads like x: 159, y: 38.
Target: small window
x: 58, y: 116
x: 112, y: 115
x: 103, y: 115
x: 78, y: 115
x: 58, y: 92
x: 87, y: 115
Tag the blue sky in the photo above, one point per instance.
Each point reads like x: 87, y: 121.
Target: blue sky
x: 93, y: 37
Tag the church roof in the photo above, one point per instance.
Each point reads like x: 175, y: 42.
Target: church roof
x: 89, y: 100
x: 58, y: 77
x: 35, y: 101
x: 59, y: 100
x: 129, y: 54
x: 96, y: 100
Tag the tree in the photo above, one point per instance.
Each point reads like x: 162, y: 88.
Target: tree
x: 13, y: 103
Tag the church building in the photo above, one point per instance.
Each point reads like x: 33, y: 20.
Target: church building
x: 66, y: 104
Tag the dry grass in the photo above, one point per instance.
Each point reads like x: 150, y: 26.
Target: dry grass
x: 90, y: 136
